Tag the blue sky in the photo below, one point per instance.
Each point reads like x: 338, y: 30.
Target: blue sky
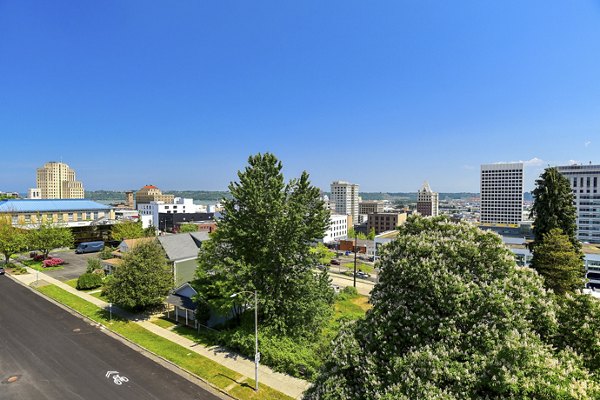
x: 386, y: 94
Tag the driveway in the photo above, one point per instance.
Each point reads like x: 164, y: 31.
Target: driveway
x: 75, y: 265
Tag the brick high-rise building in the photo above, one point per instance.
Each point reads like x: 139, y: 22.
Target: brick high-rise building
x: 427, y: 201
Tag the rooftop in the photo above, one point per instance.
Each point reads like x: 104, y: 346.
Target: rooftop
x: 48, y: 205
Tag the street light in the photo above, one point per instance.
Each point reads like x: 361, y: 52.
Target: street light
x: 256, y: 353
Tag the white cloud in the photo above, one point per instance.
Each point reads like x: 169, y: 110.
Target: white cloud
x: 588, y: 143
x: 534, y: 162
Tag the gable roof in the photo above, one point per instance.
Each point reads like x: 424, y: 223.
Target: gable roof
x: 179, y: 247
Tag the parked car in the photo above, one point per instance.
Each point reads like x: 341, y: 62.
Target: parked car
x: 1, y: 271
x: 89, y: 247
x: 363, y: 275
x: 335, y: 262
x: 348, y: 252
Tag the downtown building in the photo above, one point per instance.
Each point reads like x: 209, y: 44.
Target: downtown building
x: 344, y: 196
x: 501, y: 194
x: 56, y: 180
x: 584, y: 180
x: 427, y: 201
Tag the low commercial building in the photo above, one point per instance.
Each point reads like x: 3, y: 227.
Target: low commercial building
x: 338, y: 227
x: 370, y: 207
x: 178, y: 205
x: 29, y: 213
x: 169, y: 222
x: 382, y: 222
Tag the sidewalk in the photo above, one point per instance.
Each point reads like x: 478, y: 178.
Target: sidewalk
x: 284, y: 383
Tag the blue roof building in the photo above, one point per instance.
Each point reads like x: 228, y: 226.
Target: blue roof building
x: 70, y: 212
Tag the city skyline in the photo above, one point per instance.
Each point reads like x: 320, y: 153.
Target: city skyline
x: 384, y: 95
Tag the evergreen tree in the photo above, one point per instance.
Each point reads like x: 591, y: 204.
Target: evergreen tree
x: 559, y: 262
x: 143, y: 279
x: 263, y: 243
x: 553, y: 207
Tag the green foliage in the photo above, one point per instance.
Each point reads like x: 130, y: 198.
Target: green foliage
x: 150, y: 231
x: 371, y: 235
x: 106, y: 253
x: 185, y: 228
x: 89, y: 281
x: 347, y: 293
x: 128, y: 230
x: 93, y: 264
x: 553, y: 207
x: 49, y: 237
x: 143, y: 279
x: 322, y: 253
x: 353, y: 234
x: 453, y: 317
x: 263, y: 243
x: 12, y: 241
x: 559, y: 262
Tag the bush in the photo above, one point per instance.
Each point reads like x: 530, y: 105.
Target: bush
x: 89, y: 281
x: 348, y: 292
x: 52, y: 262
x: 106, y: 253
x: 93, y: 264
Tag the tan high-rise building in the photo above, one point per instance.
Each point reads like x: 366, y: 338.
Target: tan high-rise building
x: 151, y: 193
x: 56, y: 180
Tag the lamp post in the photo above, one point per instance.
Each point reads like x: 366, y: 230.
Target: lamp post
x: 256, y: 353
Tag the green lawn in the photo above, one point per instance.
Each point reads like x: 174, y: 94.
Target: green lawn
x: 360, y: 266
x: 163, y: 322
x: 209, y: 370
x: 72, y: 283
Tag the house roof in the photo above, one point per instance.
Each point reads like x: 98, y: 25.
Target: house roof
x: 48, y: 205
x: 199, y: 237
x: 131, y: 243
x: 179, y: 247
x: 181, y: 301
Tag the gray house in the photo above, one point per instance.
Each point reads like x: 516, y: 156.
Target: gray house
x: 182, y: 253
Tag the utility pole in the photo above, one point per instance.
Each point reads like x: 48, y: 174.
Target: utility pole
x: 355, y: 251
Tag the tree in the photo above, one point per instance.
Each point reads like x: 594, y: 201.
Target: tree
x: 559, y: 262
x: 263, y: 243
x: 128, y: 230
x: 143, y: 279
x: 371, y: 235
x: 12, y: 241
x: 353, y: 234
x: 322, y: 253
x: 49, y: 237
x: 453, y: 317
x: 184, y: 228
x: 553, y: 207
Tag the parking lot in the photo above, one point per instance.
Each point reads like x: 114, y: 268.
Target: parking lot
x: 75, y: 265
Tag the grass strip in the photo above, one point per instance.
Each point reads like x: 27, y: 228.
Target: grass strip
x: 230, y: 381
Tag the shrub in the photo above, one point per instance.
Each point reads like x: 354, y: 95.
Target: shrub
x: 89, y: 281
x: 93, y: 264
x: 52, y: 262
x: 106, y: 253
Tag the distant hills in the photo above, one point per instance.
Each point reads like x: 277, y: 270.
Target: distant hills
x: 214, y: 196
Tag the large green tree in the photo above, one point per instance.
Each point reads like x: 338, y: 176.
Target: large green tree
x: 12, y: 240
x: 49, y: 236
x: 143, y: 279
x: 129, y: 230
x: 553, y: 207
x: 453, y: 317
x: 263, y: 243
x: 559, y: 262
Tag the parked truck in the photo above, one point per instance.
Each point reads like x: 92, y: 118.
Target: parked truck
x: 89, y: 247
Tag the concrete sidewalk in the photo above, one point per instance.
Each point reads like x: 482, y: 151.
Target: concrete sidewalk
x: 284, y: 383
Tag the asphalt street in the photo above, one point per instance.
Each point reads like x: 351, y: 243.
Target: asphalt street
x: 47, y: 353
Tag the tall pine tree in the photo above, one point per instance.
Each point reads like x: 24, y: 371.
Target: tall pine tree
x: 263, y: 243
x: 553, y: 207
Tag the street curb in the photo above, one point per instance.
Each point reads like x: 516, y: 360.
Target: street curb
x: 171, y: 366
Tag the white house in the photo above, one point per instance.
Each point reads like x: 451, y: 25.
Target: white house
x: 179, y: 206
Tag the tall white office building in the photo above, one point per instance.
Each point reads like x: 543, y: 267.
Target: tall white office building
x: 502, y: 193
x: 345, y: 197
x: 584, y: 183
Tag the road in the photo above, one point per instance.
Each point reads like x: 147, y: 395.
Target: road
x: 363, y: 286
x: 47, y: 353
